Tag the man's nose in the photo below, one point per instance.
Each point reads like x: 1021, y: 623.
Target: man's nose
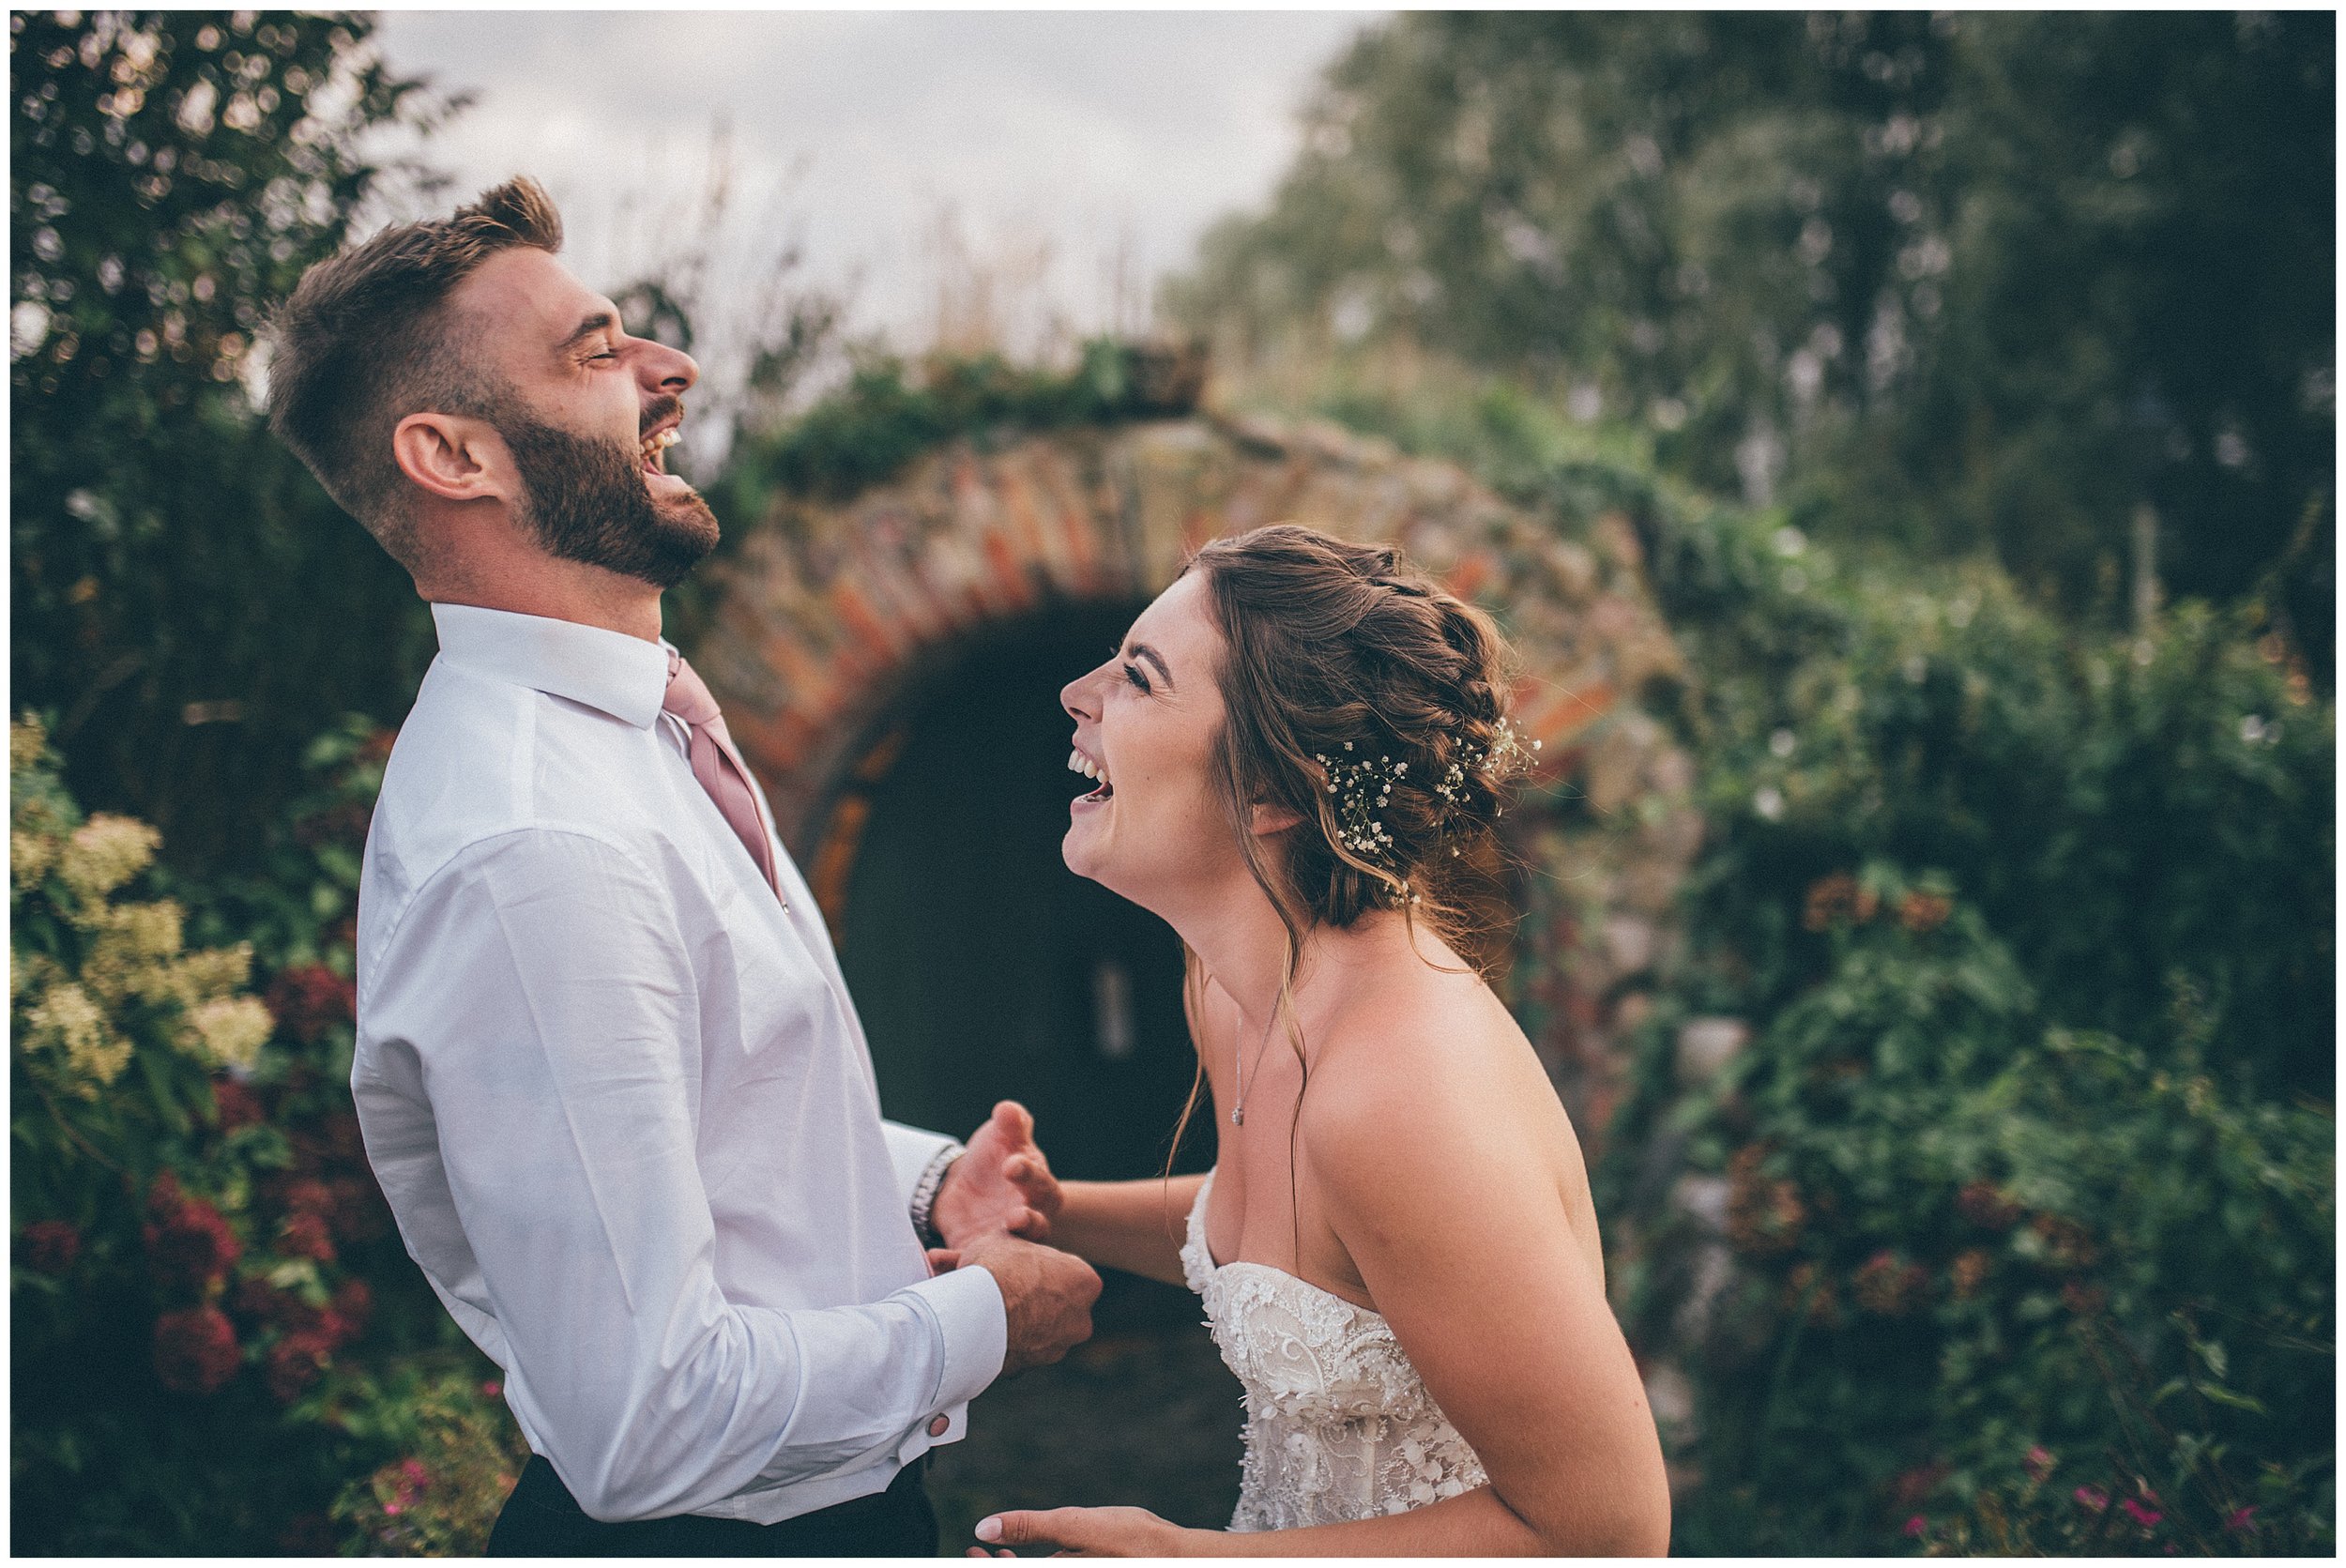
x: 668, y: 370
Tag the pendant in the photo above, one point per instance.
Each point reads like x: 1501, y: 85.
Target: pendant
x: 1238, y: 1116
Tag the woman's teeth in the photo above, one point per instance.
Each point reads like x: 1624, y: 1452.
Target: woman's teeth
x: 1078, y: 763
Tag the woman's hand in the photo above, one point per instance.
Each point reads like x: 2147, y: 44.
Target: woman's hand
x: 1088, y: 1532
x: 1002, y: 1183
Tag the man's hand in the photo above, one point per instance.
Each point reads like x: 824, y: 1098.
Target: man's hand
x: 1003, y: 1183
x: 1047, y: 1295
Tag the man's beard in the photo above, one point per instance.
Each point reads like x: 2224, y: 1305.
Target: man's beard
x: 587, y: 502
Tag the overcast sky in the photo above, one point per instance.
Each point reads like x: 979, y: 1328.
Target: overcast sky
x: 1087, y: 138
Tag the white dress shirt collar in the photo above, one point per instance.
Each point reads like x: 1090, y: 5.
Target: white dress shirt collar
x: 608, y: 671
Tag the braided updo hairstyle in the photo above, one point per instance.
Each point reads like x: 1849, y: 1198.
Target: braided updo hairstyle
x: 1345, y: 665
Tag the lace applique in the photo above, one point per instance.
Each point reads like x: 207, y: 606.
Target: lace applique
x: 1338, y: 1423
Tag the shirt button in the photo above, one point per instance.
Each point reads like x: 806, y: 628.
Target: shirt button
x: 938, y: 1427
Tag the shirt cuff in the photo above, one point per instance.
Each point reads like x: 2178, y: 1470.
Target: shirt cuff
x: 967, y: 1305
x: 909, y: 1152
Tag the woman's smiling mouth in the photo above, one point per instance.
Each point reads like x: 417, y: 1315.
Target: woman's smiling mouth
x: 1078, y: 763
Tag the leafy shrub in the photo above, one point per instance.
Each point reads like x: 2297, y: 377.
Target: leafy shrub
x: 1972, y: 1247
x: 213, y: 1322
x: 2012, y: 1227
x: 2027, y: 1177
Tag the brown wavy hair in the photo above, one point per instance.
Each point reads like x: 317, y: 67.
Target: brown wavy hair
x: 1336, y: 650
x: 366, y: 340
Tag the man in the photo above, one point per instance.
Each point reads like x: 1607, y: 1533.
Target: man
x: 607, y: 1068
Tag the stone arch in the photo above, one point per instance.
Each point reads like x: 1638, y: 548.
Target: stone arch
x: 828, y: 612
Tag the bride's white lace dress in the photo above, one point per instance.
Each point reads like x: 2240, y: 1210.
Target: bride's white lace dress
x: 1338, y: 1423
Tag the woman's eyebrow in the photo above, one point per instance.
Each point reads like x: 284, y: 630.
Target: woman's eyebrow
x: 1142, y: 650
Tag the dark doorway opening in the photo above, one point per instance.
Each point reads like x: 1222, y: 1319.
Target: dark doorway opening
x: 983, y: 968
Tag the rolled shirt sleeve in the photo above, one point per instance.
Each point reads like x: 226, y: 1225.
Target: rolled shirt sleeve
x: 535, y: 1053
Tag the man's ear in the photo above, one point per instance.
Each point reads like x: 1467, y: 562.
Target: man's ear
x: 1264, y: 819
x: 452, y: 457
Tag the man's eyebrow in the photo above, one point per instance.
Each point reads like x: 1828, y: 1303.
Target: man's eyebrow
x: 1142, y: 650
x: 596, y: 322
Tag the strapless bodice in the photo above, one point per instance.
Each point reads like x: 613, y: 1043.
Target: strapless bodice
x: 1338, y: 1423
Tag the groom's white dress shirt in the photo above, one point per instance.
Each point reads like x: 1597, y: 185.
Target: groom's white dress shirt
x: 623, y: 1109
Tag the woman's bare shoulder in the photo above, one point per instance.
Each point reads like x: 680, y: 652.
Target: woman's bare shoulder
x: 1439, y: 1052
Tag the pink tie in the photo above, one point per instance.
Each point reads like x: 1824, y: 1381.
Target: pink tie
x: 718, y: 766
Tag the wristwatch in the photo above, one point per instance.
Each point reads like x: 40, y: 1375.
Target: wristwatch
x: 924, y: 1193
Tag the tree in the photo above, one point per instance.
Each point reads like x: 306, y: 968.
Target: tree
x: 1988, y: 281
x: 189, y: 608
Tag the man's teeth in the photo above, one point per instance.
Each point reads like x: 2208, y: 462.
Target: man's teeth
x: 656, y: 444
x: 1077, y: 762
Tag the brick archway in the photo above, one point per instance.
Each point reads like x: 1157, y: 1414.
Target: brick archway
x: 827, y: 613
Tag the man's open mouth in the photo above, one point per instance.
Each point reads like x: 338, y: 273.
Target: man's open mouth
x: 655, y: 449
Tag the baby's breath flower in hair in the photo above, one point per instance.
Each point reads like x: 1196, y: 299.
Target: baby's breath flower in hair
x: 1361, y: 789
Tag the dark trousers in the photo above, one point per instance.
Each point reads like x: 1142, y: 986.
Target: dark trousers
x: 542, y: 1519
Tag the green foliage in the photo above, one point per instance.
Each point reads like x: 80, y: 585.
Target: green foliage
x: 888, y: 415
x: 1962, y: 282
x: 1977, y: 1253
x: 188, y: 606
x: 213, y: 1322
x: 2035, y: 926
x: 2130, y: 815
x: 460, y: 1455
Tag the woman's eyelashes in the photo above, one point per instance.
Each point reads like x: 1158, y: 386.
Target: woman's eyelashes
x: 1132, y: 673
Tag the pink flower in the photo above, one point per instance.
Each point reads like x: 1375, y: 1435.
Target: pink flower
x: 414, y: 1471
x: 2092, y: 1498
x: 492, y: 1388
x: 2039, y: 1462
x: 1914, y: 1525
x: 2241, y: 1518
x: 2147, y: 1517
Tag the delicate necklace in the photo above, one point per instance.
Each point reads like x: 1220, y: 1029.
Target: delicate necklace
x: 1237, y: 1110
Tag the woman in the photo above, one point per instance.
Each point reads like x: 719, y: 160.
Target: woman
x: 1300, y: 751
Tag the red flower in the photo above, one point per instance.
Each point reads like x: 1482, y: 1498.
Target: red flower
x: 1914, y: 1525
x: 359, y: 1212
x: 344, y: 1141
x: 304, y: 1235
x: 354, y: 1305
x: 1984, y: 1204
x: 1888, y: 1284
x: 2147, y: 1517
x: 307, y: 998
x: 238, y: 1105
x: 188, y: 1240
x: 50, y: 1246
x: 195, y: 1349
x: 2241, y: 1519
x: 294, y: 1362
x: 492, y: 1388
x: 1916, y: 1484
x: 308, y: 1196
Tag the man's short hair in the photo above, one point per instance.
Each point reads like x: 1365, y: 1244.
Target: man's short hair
x: 364, y: 342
